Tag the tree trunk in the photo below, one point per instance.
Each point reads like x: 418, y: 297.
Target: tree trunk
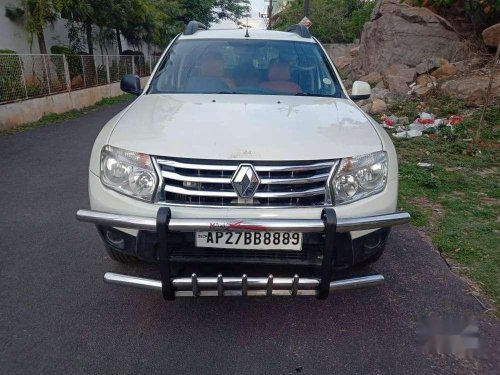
x: 90, y: 44
x: 487, y: 96
x: 41, y: 42
x: 118, y: 41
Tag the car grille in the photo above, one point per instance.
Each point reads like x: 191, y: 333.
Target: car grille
x: 305, y: 257
x: 208, y: 183
x: 183, y: 249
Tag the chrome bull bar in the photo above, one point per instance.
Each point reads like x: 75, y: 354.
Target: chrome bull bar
x: 243, y: 286
x: 195, y: 286
x: 247, y: 225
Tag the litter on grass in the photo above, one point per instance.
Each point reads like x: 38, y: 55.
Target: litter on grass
x: 425, y: 122
x: 425, y: 165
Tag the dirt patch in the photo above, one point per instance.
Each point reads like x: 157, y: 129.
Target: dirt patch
x: 491, y: 201
x: 457, y: 194
x: 488, y: 145
x: 486, y: 172
x: 453, y: 169
x: 434, y: 210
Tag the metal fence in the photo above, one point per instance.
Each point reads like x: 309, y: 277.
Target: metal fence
x: 29, y: 76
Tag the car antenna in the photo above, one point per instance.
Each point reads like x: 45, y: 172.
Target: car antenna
x: 246, y: 34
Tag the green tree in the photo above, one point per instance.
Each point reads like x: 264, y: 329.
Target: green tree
x: 153, y: 22
x: 334, y: 21
x: 158, y: 21
x: 114, y: 14
x: 168, y: 22
x: 136, y: 21
x: 84, y: 13
x: 213, y: 11
x: 230, y: 10
x: 38, y: 14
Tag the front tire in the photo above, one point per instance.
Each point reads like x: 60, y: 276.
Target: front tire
x: 374, y: 257
x: 120, y: 257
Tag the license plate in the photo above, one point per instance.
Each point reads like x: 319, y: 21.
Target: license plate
x: 250, y: 240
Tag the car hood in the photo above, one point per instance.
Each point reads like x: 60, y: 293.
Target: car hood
x: 245, y: 127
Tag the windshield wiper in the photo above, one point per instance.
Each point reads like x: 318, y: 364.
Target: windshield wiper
x: 232, y: 92
x: 311, y: 94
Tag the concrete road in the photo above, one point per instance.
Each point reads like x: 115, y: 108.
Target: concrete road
x: 58, y: 317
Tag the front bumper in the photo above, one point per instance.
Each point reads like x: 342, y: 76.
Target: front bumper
x: 183, y: 247
x: 243, y: 286
x: 165, y: 224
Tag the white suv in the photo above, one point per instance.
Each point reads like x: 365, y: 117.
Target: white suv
x: 244, y: 147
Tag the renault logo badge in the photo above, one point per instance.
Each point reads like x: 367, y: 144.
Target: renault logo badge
x: 245, y: 181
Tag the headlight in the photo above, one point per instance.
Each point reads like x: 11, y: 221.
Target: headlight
x: 359, y: 177
x: 128, y: 172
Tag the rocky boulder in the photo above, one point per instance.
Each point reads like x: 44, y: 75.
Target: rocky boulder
x: 378, y: 106
x: 422, y: 91
x: 467, y: 66
x: 472, y: 88
x: 400, y: 33
x: 426, y: 80
x: 427, y: 65
x: 491, y: 35
x: 424, y: 86
x: 372, y: 78
x: 342, y: 62
x: 406, y: 73
x: 77, y: 81
x: 396, y: 85
x: 398, y: 76
x: 336, y: 50
x: 383, y: 94
x: 445, y: 71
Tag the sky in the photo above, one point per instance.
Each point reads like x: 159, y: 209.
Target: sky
x: 254, y: 21
x: 257, y: 6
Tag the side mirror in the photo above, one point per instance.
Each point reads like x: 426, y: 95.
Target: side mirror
x: 131, y: 84
x: 361, y: 90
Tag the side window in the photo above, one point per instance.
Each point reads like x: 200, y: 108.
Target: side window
x: 165, y: 81
x: 325, y: 83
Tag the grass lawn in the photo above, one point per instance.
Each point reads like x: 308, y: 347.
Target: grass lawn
x: 456, y: 201
x: 53, y: 118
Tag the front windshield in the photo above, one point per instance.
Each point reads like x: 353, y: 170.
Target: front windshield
x: 228, y: 66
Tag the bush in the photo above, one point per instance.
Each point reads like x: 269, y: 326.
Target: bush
x: 62, y: 50
x: 11, y: 75
x: 102, y: 75
x: 72, y: 58
x: 129, y: 52
x: 118, y: 69
x: 334, y: 21
x: 482, y: 13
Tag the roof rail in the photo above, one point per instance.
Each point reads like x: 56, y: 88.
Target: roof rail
x: 300, y: 30
x: 194, y: 26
